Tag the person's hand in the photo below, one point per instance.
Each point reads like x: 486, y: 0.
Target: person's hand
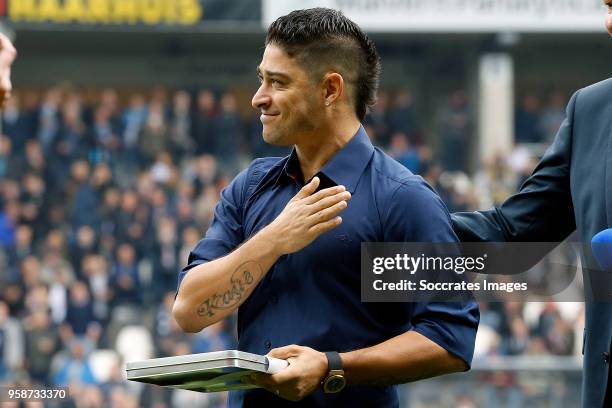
x: 8, y: 53
x: 307, y: 216
x: 302, y: 377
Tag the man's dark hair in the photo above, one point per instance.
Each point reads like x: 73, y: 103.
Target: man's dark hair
x: 323, y: 39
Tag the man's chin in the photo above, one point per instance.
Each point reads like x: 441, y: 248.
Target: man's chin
x: 274, y: 139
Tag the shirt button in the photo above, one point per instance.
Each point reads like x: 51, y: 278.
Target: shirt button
x: 606, y: 356
x: 268, y: 344
x: 274, y: 299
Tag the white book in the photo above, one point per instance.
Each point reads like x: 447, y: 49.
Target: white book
x: 204, y: 372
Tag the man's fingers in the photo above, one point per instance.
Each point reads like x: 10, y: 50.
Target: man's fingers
x: 326, y: 192
x: 261, y: 380
x: 328, y: 213
x: 308, y: 189
x: 284, y: 376
x: 330, y: 201
x: 320, y: 228
x: 274, y: 380
x: 284, y: 352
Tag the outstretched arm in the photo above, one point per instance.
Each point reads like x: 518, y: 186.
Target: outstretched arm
x: 542, y: 211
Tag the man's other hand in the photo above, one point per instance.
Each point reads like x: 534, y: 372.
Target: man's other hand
x: 307, y: 216
x: 8, y: 53
x: 306, y: 370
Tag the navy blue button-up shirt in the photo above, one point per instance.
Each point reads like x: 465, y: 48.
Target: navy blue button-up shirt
x: 312, y: 297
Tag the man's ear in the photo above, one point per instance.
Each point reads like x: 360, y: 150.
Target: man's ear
x: 333, y: 87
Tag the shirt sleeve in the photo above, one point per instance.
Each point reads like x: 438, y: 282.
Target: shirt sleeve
x: 417, y: 214
x: 225, y: 232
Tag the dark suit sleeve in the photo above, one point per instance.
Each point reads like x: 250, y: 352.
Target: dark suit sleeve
x: 542, y: 211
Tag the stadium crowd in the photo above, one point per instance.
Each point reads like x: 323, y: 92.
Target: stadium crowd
x: 102, y: 196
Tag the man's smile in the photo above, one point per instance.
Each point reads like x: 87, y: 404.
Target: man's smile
x: 268, y: 116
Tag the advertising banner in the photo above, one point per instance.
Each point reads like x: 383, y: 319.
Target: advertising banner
x: 457, y: 15
x: 136, y: 14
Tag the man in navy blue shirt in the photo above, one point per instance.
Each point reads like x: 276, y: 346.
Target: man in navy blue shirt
x: 278, y: 251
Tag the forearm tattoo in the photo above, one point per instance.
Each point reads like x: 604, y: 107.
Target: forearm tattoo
x: 242, y: 281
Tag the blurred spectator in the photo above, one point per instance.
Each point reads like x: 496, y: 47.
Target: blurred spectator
x: 20, y: 248
x: 455, y: 131
x: 527, y: 121
x: 84, y: 243
x: 34, y: 160
x: 33, y: 203
x: 80, y: 308
x: 104, y: 135
x: 519, y: 338
x: 204, y: 173
x: 377, y: 120
x: 402, y: 151
x: 11, y: 343
x: 154, y: 136
x: 96, y: 272
x: 552, y: 116
x: 163, y: 170
x: 7, y: 227
x: 180, y: 125
x: 128, y: 226
x: 165, y: 255
x: 124, y: 277
x: 18, y: 125
x: 49, y: 119
x: 84, y: 197
x: 133, y: 120
x: 494, y: 182
x: 230, y: 140
x: 73, y: 139
x: 89, y: 397
x: 41, y: 342
x: 204, y: 125
x: 120, y: 398
x: 402, y: 117
x: 75, y: 369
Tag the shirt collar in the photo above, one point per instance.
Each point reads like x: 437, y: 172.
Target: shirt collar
x: 344, y: 168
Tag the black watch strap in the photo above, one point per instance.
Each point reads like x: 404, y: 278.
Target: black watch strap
x: 334, y: 362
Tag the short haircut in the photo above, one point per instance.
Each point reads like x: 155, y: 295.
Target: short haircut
x: 323, y: 39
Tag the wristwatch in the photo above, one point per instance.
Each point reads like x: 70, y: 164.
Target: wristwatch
x: 334, y: 381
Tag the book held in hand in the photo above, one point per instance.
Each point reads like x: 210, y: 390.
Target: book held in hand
x: 204, y: 372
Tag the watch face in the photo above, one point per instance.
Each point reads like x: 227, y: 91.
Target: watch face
x: 335, y: 383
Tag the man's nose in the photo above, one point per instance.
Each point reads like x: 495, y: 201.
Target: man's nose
x: 261, y: 99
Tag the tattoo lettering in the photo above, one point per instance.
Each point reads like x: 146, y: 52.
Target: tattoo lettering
x: 241, y: 282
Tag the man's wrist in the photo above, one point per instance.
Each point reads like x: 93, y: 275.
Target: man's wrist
x: 348, y: 361
x: 269, y: 238
x: 324, y: 367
